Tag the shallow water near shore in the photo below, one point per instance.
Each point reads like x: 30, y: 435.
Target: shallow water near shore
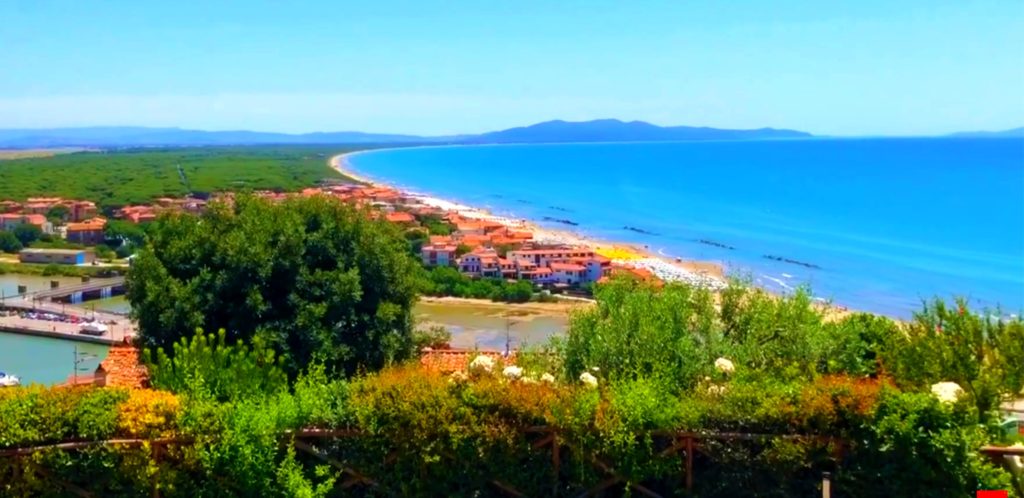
x: 872, y: 224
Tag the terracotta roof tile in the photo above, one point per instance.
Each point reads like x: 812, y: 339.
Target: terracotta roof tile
x: 453, y: 360
x: 122, y: 368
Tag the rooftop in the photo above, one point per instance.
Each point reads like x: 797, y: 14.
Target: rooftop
x: 122, y: 368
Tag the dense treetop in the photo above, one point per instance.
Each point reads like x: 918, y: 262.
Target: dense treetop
x: 313, y: 278
x: 117, y: 178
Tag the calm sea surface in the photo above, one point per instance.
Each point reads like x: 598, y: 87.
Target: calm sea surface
x: 887, y: 222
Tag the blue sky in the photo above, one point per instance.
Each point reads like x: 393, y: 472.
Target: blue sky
x: 846, y: 68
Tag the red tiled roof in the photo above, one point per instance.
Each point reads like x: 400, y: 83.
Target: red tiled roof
x: 453, y: 360
x: 122, y: 368
x: 87, y: 225
x: 400, y: 217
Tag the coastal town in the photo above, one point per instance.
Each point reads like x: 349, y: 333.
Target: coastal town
x: 478, y: 244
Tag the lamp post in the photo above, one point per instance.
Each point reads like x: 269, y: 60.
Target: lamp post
x: 79, y: 359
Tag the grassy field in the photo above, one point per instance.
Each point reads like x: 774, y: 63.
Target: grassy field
x: 26, y: 153
x: 117, y: 178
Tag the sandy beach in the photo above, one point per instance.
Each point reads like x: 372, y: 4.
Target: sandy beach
x: 706, y: 273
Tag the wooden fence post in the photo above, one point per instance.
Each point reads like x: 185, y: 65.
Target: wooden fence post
x: 689, y: 464
x: 556, y: 461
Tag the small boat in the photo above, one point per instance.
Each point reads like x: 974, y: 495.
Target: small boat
x: 9, y: 380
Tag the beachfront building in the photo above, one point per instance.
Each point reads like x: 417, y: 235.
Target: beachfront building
x: 55, y: 256
x: 544, y: 257
x: 482, y: 262
x: 439, y: 254
x: 10, y: 221
x: 568, y: 273
x: 89, y: 232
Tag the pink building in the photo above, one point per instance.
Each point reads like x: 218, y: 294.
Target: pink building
x: 438, y: 254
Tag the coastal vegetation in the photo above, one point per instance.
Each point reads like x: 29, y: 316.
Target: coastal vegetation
x: 307, y: 383
x: 774, y: 395
x: 134, y: 176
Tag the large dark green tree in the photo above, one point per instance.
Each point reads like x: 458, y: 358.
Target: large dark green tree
x: 27, y: 233
x: 314, y: 279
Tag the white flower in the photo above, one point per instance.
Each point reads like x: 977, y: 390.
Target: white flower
x: 588, y: 380
x: 595, y: 369
x: 550, y: 379
x: 947, y: 392
x: 458, y: 377
x: 725, y: 366
x: 512, y: 372
x: 716, y: 389
x: 482, y: 364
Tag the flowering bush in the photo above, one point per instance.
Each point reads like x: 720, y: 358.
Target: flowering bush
x: 947, y: 392
x: 588, y: 380
x: 148, y: 413
x: 512, y: 372
x: 481, y: 364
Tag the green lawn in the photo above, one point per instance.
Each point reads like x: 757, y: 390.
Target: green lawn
x: 117, y: 178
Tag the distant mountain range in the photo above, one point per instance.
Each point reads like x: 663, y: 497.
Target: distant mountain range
x: 1014, y: 133
x: 602, y: 130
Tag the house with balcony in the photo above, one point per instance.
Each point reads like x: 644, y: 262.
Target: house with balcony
x: 439, y: 254
x: 482, y: 262
x: 568, y: 273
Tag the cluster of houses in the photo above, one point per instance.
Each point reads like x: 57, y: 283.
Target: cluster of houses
x: 477, y: 247
x: 83, y: 223
x: 80, y: 222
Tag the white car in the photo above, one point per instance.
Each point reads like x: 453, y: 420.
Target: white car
x: 8, y: 380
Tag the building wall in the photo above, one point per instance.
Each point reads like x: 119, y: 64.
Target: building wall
x: 63, y: 258
x: 87, y: 237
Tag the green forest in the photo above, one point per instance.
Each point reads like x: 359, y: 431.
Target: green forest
x: 309, y: 384
x: 120, y: 177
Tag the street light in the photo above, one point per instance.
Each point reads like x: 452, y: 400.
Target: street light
x: 79, y: 359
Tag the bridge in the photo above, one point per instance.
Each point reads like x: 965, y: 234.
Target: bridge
x: 74, y: 294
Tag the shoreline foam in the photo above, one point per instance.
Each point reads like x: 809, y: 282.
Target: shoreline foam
x: 706, y: 273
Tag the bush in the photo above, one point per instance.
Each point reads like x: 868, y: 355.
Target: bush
x: 9, y: 243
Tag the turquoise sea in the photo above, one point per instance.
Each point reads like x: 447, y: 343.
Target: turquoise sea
x: 885, y: 223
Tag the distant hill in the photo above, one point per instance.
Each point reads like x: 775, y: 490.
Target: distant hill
x: 142, y: 137
x: 614, y: 130
x: 1014, y: 133
x: 602, y: 130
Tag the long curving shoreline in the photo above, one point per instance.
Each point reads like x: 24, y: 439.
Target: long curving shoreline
x: 706, y: 273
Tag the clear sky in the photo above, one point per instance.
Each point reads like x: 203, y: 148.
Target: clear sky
x: 434, y: 67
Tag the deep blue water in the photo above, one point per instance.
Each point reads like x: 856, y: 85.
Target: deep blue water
x: 888, y: 221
